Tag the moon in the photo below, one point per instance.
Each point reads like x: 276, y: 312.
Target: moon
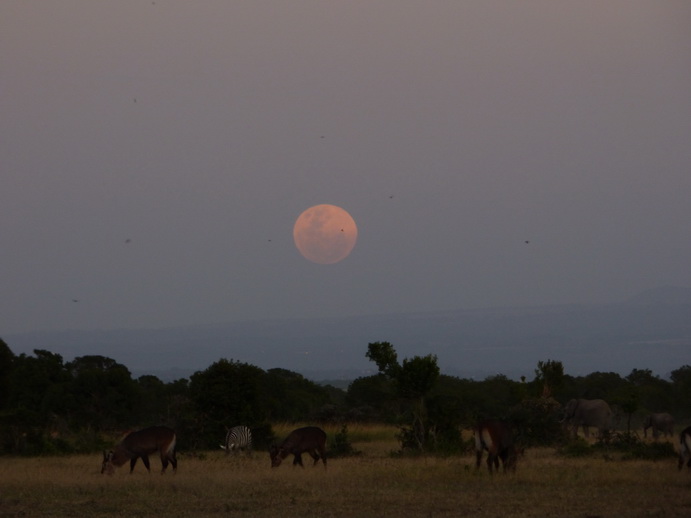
x: 325, y: 234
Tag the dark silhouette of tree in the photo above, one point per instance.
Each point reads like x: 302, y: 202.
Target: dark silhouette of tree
x: 150, y: 404
x: 40, y: 387
x: 384, y: 355
x: 290, y: 396
x: 6, y: 359
x: 652, y: 393
x: 38, y: 396
x: 681, y: 390
x: 414, y: 378
x: 105, y: 395
x: 598, y: 385
x: 372, y: 398
x: 550, y: 374
x: 227, y: 393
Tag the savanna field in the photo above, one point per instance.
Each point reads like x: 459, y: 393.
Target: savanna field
x: 374, y: 483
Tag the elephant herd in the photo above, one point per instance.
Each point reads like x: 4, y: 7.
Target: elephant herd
x: 596, y: 413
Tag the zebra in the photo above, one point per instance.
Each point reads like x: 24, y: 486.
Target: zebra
x: 238, y: 438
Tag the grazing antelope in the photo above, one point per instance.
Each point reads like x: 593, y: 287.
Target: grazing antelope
x: 685, y: 448
x: 142, y: 444
x: 497, y: 438
x: 238, y: 438
x: 309, y: 439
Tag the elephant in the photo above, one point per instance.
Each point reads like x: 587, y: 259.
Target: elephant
x: 659, y: 423
x: 587, y: 413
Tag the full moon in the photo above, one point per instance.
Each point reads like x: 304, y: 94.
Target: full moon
x: 325, y: 234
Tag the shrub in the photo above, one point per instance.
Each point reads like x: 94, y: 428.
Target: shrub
x: 536, y: 422
x: 341, y: 445
x: 627, y: 445
x: 631, y: 447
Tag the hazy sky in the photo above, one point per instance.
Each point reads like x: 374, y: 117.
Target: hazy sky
x: 155, y: 155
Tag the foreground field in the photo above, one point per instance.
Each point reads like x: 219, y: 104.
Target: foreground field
x: 372, y: 484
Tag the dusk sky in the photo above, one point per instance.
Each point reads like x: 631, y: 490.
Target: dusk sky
x: 155, y: 155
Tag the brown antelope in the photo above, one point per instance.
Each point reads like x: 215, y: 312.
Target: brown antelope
x: 685, y: 448
x: 497, y: 438
x: 309, y: 439
x: 142, y: 444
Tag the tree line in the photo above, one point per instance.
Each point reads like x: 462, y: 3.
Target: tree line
x: 50, y: 406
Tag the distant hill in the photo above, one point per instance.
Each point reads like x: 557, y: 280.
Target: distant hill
x: 649, y: 331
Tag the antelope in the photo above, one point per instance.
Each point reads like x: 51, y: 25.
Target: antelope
x: 497, y: 438
x: 310, y: 439
x: 685, y: 448
x: 142, y: 443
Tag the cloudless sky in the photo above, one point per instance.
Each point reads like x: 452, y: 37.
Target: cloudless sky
x: 155, y: 155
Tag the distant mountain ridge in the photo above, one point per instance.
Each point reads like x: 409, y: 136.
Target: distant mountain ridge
x: 649, y: 331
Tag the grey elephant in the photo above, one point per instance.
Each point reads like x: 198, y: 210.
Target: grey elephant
x: 660, y: 423
x: 587, y: 413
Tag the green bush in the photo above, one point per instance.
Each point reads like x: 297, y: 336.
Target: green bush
x: 631, y: 447
x: 536, y: 421
x: 341, y: 445
x: 626, y: 446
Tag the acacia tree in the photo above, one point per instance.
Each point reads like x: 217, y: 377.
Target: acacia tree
x: 414, y: 379
x: 6, y: 359
x: 384, y: 355
x: 535, y: 416
x: 681, y: 389
x: 551, y: 375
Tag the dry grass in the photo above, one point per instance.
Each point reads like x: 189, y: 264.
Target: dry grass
x: 373, y: 484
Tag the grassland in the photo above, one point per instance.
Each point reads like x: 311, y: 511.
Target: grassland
x: 373, y: 484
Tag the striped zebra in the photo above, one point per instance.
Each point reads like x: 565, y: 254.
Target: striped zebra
x: 238, y: 438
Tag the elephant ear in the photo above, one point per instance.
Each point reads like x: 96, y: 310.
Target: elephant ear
x: 571, y: 407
